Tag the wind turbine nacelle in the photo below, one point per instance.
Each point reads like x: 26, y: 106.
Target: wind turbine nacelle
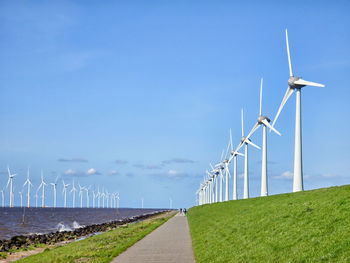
x: 261, y: 118
x: 292, y: 85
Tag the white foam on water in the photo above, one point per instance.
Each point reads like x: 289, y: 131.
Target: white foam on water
x: 76, y: 225
x: 61, y: 227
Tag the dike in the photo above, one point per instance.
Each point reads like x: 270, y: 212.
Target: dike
x: 22, y: 241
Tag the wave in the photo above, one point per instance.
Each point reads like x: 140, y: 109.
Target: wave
x: 62, y: 227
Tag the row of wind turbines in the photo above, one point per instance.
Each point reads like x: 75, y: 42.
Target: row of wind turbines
x: 211, y: 190
x: 104, y: 198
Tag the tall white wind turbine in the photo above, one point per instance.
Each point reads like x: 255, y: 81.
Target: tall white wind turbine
x: 65, y: 186
x: 81, y: 195
x: 73, y: 190
x: 170, y: 203
x: 10, y: 181
x: 43, y: 190
x: 265, y: 122
x: 142, y: 199
x: 233, y: 156
x: 54, y: 191
x: 29, y: 184
x: 296, y: 83
x: 245, y: 141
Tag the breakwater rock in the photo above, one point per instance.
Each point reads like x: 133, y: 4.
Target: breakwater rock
x: 52, y: 238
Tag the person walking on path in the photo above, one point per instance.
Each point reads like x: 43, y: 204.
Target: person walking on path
x: 171, y: 242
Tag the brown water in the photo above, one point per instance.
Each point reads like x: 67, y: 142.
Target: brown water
x: 46, y: 220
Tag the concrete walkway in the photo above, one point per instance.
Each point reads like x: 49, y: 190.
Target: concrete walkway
x: 171, y: 242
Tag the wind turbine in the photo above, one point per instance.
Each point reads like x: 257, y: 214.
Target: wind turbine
x: 142, y: 202
x: 81, y: 195
x: 233, y: 156
x: 21, y: 197
x: 117, y: 196
x: 3, y: 197
x: 65, y: 186
x: 87, y: 196
x: 107, y: 198
x: 98, y: 197
x: 296, y: 83
x: 103, y: 198
x: 73, y: 191
x: 10, y: 181
x: 36, y: 197
x: 93, y: 198
x: 265, y: 122
x: 29, y: 183
x: 54, y: 191
x: 245, y: 141
x: 170, y: 203
x: 43, y: 192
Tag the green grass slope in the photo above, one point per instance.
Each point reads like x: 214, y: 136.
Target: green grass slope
x: 310, y: 226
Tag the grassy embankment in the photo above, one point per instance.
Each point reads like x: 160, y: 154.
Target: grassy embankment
x: 100, y: 248
x: 310, y: 226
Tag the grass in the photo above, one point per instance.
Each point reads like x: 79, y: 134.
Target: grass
x: 100, y: 248
x: 310, y: 226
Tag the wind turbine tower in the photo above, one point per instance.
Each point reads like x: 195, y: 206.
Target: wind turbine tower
x: 296, y: 83
x: 245, y: 141
x: 10, y: 181
x: 29, y: 183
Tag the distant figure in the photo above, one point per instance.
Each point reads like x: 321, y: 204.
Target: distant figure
x: 185, y: 211
x: 180, y: 210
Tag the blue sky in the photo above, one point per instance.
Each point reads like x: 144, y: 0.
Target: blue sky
x: 142, y: 94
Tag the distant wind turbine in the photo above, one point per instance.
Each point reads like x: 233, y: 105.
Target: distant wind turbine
x: 29, y: 183
x: 3, y: 197
x: 21, y: 197
x: 10, y: 181
x: 142, y: 202
x: 43, y: 191
x: 245, y: 141
x: 81, y: 195
x: 54, y: 191
x: 265, y: 122
x: 233, y: 156
x: 87, y: 196
x: 65, y: 186
x: 296, y: 83
x: 73, y: 191
x: 170, y: 203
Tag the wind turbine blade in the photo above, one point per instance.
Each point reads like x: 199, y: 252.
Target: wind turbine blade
x: 267, y: 124
x: 289, y: 61
x: 256, y: 126
x: 8, y: 183
x: 308, y: 83
x: 240, y: 154
x: 211, y: 166
x: 252, y: 144
x: 261, y: 84
x: 227, y: 150
x: 242, y: 122
x: 222, y: 154
x: 288, y: 93
x: 231, y: 140
x: 239, y: 146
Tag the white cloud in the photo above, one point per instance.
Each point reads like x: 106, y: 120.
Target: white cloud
x: 329, y: 175
x: 113, y: 172
x: 70, y: 172
x: 92, y: 171
x: 285, y: 175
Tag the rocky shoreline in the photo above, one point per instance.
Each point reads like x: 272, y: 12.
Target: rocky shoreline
x: 54, y: 237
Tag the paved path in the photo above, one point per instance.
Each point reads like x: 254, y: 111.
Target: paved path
x: 171, y: 242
